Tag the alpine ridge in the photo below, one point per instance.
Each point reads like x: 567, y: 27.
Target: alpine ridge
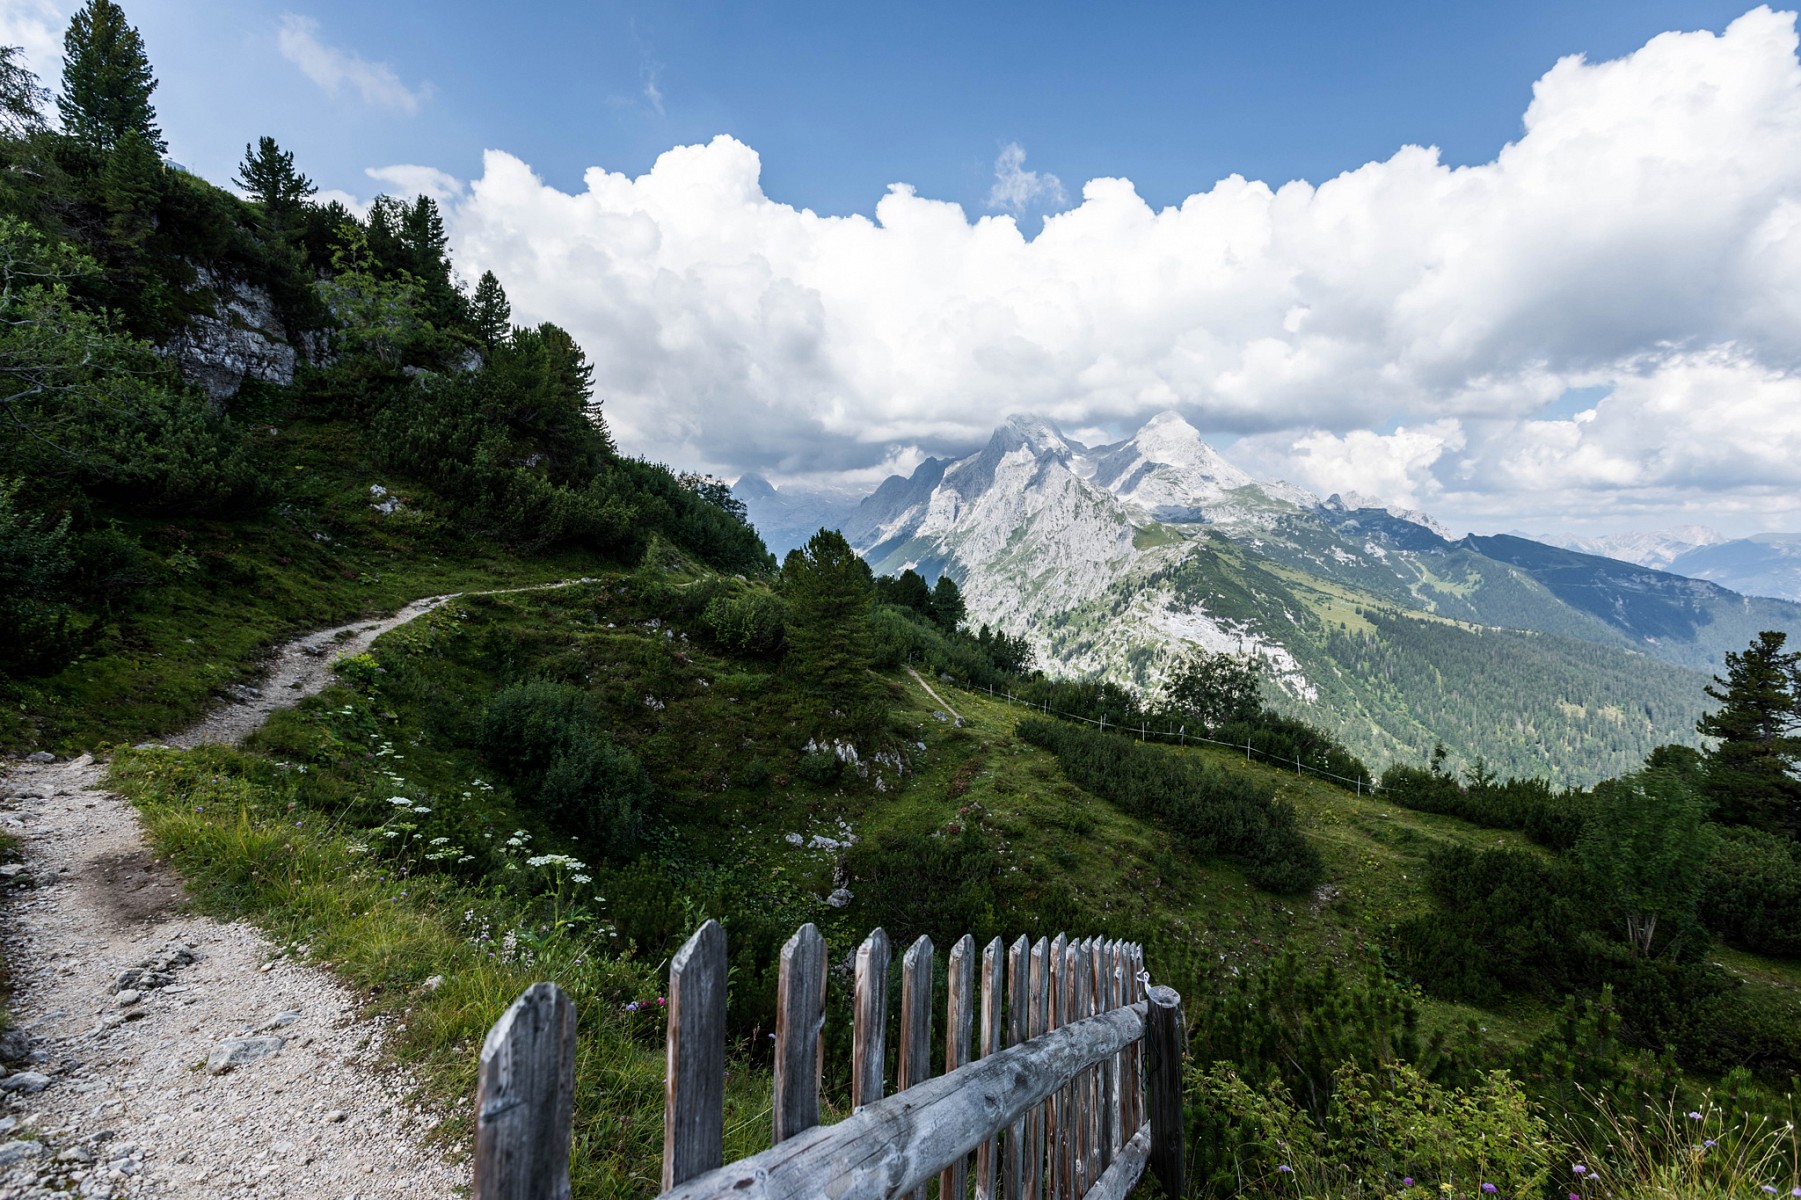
x: 1111, y: 560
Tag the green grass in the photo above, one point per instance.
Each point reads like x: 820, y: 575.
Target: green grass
x: 249, y: 848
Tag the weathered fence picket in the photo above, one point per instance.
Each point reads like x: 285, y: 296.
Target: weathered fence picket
x: 1013, y: 1186
x: 959, y: 1021
x: 916, y: 1021
x: 799, y: 1033
x: 694, y: 1086
x: 1071, y: 1091
x: 869, y: 1030
x: 525, y: 1099
x: 987, y: 1154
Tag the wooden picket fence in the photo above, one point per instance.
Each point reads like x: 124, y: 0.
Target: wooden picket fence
x: 1062, y: 1079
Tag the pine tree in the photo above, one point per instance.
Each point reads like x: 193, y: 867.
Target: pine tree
x: 490, y: 311
x: 1645, y: 845
x: 1751, y: 776
x: 1214, y: 689
x: 21, y: 96
x: 908, y: 590
x: 422, y: 228
x: 268, y: 174
x: 947, y: 603
x: 830, y: 588
x: 131, y: 185
x: 106, y: 80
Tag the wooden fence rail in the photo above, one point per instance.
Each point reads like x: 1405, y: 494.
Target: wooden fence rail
x: 1062, y: 1077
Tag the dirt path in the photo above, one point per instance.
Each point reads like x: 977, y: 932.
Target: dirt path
x: 126, y: 1009
x: 920, y: 680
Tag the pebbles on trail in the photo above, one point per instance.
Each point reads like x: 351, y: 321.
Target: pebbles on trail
x: 237, y: 1070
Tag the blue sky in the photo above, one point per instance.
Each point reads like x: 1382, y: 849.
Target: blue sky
x: 1580, y: 311
x: 842, y: 100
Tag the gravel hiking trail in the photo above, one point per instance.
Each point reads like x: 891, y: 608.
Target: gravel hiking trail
x: 157, y: 1053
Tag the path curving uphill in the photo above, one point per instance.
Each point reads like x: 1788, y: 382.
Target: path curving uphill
x: 156, y: 1053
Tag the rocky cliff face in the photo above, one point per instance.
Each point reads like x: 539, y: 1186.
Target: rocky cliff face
x: 242, y: 339
x: 1062, y: 543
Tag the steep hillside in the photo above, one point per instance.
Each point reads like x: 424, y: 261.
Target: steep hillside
x: 937, y: 826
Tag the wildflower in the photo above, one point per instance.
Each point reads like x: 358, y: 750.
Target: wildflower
x: 1709, y: 1144
x: 1769, y: 1189
x: 581, y: 879
x: 1694, y: 1116
x: 1578, y: 1169
x: 1490, y: 1188
x: 1286, y: 1169
x: 400, y: 801
x: 1406, y: 1181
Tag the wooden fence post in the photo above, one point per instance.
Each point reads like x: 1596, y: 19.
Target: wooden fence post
x: 1038, y: 983
x: 959, y: 1020
x: 799, y: 1032
x: 525, y: 1099
x: 992, y: 965
x: 1069, y: 1124
x: 1018, y: 1022
x: 1056, y: 1108
x: 1164, y: 1047
x: 694, y: 1086
x: 869, y: 1035
x: 916, y: 1020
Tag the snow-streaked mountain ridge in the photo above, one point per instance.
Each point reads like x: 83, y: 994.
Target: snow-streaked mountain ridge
x: 1037, y: 525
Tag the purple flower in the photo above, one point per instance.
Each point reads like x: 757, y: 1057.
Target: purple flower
x: 1694, y: 1116
x: 1574, y: 1196
x: 1286, y: 1169
x: 1406, y: 1181
x: 1489, y: 1188
x: 1709, y: 1144
x: 1578, y: 1169
x: 1769, y: 1189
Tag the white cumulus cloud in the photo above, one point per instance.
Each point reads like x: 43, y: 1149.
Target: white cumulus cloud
x: 338, y: 71
x: 1642, y: 234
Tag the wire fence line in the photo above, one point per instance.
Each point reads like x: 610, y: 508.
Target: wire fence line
x: 1181, y: 736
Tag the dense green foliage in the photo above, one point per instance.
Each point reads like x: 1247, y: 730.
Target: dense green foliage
x: 544, y: 739
x: 1211, y: 690
x: 1208, y: 811
x: 1751, y: 895
x: 1549, y: 817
